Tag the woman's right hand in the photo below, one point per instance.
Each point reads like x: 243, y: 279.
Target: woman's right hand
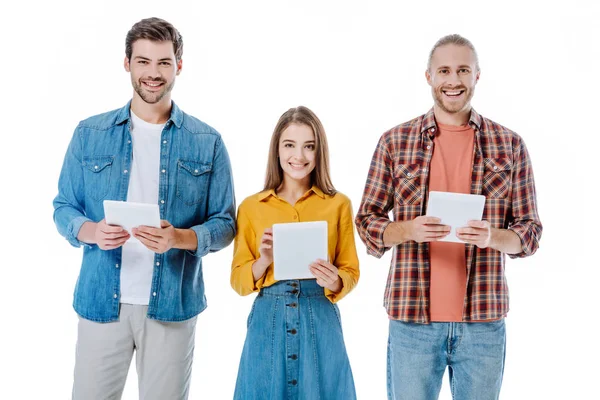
x: 266, y: 254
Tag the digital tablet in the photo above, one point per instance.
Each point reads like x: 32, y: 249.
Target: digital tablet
x: 130, y: 215
x: 455, y: 209
x: 296, y: 245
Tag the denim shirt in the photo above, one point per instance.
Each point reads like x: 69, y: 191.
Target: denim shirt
x: 195, y: 191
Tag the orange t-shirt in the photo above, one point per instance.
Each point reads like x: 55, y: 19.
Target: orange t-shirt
x: 450, y: 171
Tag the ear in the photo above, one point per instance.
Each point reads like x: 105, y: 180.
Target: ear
x: 428, y: 77
x: 126, y: 64
x: 179, y: 66
x: 477, y: 76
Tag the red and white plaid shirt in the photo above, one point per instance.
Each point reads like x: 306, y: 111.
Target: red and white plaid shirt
x: 398, y: 180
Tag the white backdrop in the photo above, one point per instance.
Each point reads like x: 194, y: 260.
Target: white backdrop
x: 360, y: 67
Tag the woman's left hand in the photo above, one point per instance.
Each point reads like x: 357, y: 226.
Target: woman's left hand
x: 327, y: 275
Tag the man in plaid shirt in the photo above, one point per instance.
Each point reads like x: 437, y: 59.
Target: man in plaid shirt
x: 447, y: 301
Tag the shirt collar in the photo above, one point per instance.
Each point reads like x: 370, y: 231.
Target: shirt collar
x: 430, y: 126
x: 271, y: 192
x: 176, y: 114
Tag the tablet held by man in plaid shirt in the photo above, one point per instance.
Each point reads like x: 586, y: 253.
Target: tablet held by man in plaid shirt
x: 447, y: 301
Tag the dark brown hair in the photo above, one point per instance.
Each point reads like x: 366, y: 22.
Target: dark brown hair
x: 320, y: 175
x: 157, y: 30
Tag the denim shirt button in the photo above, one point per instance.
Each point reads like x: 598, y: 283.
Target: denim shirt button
x: 153, y: 294
x: 116, y: 265
x: 115, y: 296
x: 157, y: 263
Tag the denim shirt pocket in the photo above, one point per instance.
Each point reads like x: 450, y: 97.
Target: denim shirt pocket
x: 97, y: 171
x: 192, y: 181
x: 496, y: 178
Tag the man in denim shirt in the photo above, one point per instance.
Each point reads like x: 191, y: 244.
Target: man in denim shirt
x: 143, y: 289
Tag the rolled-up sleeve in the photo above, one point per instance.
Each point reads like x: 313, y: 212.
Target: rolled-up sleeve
x: 346, y: 259
x: 372, y: 218
x: 244, y: 256
x: 69, y: 203
x: 219, y: 228
x: 524, y: 219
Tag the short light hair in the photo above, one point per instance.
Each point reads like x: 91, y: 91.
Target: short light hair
x: 457, y: 40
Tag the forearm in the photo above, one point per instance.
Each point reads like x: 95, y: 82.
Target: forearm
x: 87, y: 233
x: 395, y: 233
x: 258, y: 269
x: 505, y: 241
x: 185, y: 239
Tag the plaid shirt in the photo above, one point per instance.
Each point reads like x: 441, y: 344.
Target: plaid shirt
x: 398, y: 179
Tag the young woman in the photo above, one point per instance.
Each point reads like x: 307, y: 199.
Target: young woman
x: 294, y: 347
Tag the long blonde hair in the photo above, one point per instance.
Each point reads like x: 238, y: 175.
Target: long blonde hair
x: 320, y: 174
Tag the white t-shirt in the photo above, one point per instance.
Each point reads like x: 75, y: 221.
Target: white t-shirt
x: 137, y: 263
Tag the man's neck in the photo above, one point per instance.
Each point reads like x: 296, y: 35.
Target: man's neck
x: 157, y: 113
x: 457, y: 119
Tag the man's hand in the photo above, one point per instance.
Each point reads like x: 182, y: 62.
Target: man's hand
x: 158, y: 240
x: 478, y: 233
x: 109, y: 237
x: 426, y: 229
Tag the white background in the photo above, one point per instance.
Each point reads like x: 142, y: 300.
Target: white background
x: 360, y: 67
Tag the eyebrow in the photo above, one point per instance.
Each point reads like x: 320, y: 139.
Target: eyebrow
x: 147, y: 59
x: 459, y: 67
x: 293, y: 141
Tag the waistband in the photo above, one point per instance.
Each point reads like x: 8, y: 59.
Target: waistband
x: 294, y: 287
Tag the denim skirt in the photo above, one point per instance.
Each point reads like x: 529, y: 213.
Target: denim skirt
x: 294, y: 347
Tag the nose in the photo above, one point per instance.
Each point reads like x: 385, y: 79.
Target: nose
x: 299, y: 153
x: 454, y: 80
x: 153, y: 71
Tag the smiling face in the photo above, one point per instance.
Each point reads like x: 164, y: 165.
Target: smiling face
x: 452, y: 76
x: 153, y: 69
x: 297, y: 153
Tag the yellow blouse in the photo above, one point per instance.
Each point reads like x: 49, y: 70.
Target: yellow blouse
x: 262, y: 210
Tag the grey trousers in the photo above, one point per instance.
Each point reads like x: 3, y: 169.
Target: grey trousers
x: 164, y: 353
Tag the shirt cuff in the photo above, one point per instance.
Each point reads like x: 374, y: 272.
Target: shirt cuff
x: 204, y: 241
x: 73, y: 230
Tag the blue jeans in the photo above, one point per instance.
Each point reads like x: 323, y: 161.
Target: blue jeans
x: 419, y: 353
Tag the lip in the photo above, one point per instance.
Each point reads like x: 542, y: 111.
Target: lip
x: 453, y: 94
x: 153, y: 86
x: 297, y: 167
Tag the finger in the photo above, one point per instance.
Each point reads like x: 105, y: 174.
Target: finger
x: 319, y: 275
x: 437, y: 228
x: 478, y: 224
x: 164, y: 223
x: 327, y: 265
x: 111, y: 228
x: 146, y: 236
x: 118, y: 235
x: 266, y: 246
x: 149, y: 230
x: 323, y: 273
x: 268, y: 231
x: 429, y: 220
x: 151, y: 245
